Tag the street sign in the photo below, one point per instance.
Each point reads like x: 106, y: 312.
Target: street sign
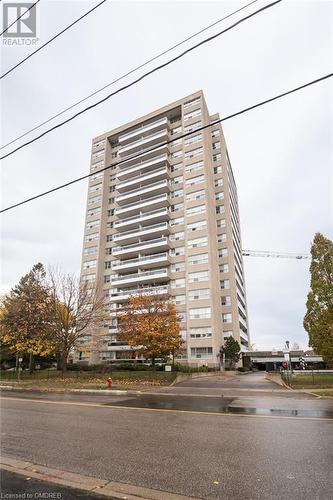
x: 286, y: 356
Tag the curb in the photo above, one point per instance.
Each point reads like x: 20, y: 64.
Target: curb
x: 110, y: 392
x: 101, y: 487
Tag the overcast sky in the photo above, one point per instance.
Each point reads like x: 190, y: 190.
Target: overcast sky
x: 281, y: 153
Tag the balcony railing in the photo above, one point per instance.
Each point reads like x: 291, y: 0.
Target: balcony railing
x: 135, y: 276
x: 140, y: 244
x: 142, y: 164
x: 143, y: 129
x: 140, y: 203
x: 142, y: 190
x: 139, y: 218
x: 142, y: 178
x: 152, y: 227
x: 139, y: 260
x: 149, y: 290
x: 142, y: 141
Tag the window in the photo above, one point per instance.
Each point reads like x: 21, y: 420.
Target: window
x: 196, y: 195
x: 91, y: 237
x: 200, y: 313
x: 193, y: 153
x: 216, y: 145
x: 99, y: 143
x: 217, y: 157
x: 198, y: 242
x: 196, y: 210
x: 96, y: 176
x: 177, y: 194
x: 221, y: 238
x: 93, y: 211
x: 224, y: 268
x: 96, y: 187
x: 223, y: 252
x: 176, y: 130
x: 178, y: 267
x: 177, y: 251
x: 200, y: 333
x: 94, y: 199
x: 192, y: 114
x: 177, y: 236
x: 220, y: 223
x: 97, y: 165
x: 182, y: 333
x: 176, y: 154
x: 179, y: 283
x: 198, y: 276
x: 218, y: 182
x: 89, y: 278
x: 193, y: 139
x: 191, y: 102
x: 217, y: 170
x: 108, y: 251
x: 177, y: 206
x: 202, y: 352
x: 182, y: 316
x: 200, y: 294
x: 112, y: 189
x: 177, y: 168
x: 219, y: 196
x: 219, y: 209
x: 194, y: 180
x: 107, y: 279
x: 194, y: 166
x: 193, y: 126
x: 107, y: 264
x: 89, y: 264
x: 111, y: 201
x: 179, y: 300
x: 109, y: 237
x: 175, y: 142
x: 97, y: 155
x: 197, y: 226
x: 227, y: 334
x: 89, y: 250
x: 177, y: 180
x: 226, y: 301
x: 92, y: 224
x: 176, y: 222
x: 225, y: 284
x: 201, y: 258
x: 215, y: 133
x: 111, y: 212
x: 227, y: 318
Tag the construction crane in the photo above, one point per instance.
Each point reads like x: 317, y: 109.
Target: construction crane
x: 278, y: 255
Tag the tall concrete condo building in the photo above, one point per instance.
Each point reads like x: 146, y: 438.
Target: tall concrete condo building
x: 166, y: 219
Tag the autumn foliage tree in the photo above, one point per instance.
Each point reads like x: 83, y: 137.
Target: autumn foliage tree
x: 26, y: 316
x: 150, y: 324
x: 318, y: 320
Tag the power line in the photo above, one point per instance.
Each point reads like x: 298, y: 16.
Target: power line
x: 23, y: 14
x: 51, y: 39
x: 127, y: 74
x: 142, y: 77
x: 245, y: 110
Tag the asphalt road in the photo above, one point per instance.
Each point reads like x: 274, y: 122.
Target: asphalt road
x: 13, y: 483
x: 210, y: 456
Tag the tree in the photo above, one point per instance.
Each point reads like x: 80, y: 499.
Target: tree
x: 318, y: 320
x: 26, y: 320
x: 150, y: 324
x: 77, y: 309
x: 232, y: 351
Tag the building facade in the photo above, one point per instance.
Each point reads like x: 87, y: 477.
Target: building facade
x: 164, y: 218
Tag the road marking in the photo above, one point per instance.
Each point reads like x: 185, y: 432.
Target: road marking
x: 162, y: 410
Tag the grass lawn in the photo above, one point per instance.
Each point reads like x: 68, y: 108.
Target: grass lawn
x: 324, y: 394
x: 309, y: 380
x: 91, y: 380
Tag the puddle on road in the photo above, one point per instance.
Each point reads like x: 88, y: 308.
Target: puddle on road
x: 212, y: 405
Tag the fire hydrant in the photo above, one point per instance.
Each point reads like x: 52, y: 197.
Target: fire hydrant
x: 109, y: 382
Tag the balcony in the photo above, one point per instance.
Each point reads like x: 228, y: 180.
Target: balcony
x: 142, y: 233
x: 157, y: 275
x: 149, y: 245
x: 145, y: 262
x: 161, y: 214
x: 143, y: 129
x: 142, y: 180
x: 136, y: 194
x: 123, y: 295
x: 140, y: 166
x: 144, y: 156
x: 145, y: 205
x: 143, y: 143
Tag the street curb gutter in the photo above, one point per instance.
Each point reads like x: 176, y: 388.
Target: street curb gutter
x: 102, y: 487
x: 110, y: 392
